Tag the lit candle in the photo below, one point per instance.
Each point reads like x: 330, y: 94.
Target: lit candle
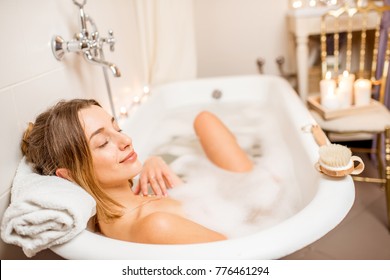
x: 312, y: 3
x: 328, y: 92
x: 362, y: 92
x: 297, y: 4
x: 346, y: 87
x: 332, y: 100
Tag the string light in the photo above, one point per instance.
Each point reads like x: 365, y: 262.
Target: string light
x: 123, y: 112
x: 146, y: 89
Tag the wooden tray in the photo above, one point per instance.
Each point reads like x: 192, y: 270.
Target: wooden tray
x: 314, y: 103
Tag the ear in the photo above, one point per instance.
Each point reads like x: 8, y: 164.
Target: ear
x: 63, y: 173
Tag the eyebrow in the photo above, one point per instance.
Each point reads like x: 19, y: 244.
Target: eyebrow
x: 100, y: 129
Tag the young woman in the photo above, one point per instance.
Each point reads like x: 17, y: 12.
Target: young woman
x: 79, y: 141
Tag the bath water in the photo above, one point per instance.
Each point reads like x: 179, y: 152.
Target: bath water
x: 235, y: 204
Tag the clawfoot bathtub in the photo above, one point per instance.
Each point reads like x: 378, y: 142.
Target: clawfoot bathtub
x: 324, y: 201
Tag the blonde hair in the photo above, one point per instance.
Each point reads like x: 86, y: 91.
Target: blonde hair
x: 57, y: 140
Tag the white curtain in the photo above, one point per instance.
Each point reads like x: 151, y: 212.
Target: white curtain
x: 167, y: 36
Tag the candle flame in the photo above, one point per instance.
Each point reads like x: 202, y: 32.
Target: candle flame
x: 345, y: 73
x: 328, y: 75
x: 297, y: 4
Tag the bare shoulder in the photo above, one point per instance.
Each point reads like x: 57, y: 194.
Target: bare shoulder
x: 168, y: 228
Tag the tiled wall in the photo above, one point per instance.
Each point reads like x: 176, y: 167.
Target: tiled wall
x: 31, y: 79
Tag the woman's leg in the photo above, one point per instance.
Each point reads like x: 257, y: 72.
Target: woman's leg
x: 220, y: 144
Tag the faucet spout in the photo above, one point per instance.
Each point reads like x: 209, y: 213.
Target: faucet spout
x: 115, y: 70
x: 93, y: 59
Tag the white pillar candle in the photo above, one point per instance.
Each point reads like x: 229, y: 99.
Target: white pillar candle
x: 331, y: 100
x: 362, y: 92
x: 346, y: 81
x: 327, y: 89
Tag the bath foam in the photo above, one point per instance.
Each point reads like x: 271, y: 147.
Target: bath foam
x: 235, y: 204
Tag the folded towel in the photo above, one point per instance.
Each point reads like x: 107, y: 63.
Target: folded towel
x: 44, y: 211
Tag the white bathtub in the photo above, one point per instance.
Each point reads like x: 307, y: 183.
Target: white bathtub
x: 326, y: 201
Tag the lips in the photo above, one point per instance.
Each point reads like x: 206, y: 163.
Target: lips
x: 131, y: 157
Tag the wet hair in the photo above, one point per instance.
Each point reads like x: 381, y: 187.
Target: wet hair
x: 57, y: 140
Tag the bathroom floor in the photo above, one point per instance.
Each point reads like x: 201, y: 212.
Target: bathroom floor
x: 362, y: 235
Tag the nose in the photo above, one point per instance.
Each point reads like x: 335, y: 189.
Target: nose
x: 124, y: 141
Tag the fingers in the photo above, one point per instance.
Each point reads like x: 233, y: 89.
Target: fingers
x: 158, y: 186
x: 168, y: 181
x: 158, y: 183
x: 137, y: 188
x: 156, y: 175
x: 142, y: 186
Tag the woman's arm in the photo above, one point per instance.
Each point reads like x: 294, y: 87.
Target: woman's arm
x: 166, y: 228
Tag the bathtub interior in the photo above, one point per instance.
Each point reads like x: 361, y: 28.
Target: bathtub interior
x: 273, y: 92
x: 316, y: 216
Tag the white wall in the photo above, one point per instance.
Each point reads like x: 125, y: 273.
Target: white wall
x: 232, y: 34
x: 31, y: 78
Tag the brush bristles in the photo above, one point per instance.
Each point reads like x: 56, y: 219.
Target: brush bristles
x: 335, y: 155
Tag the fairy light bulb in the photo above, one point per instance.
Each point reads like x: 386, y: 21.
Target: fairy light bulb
x: 146, y: 89
x: 123, y: 111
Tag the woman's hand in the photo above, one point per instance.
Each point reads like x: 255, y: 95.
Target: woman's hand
x: 158, y: 175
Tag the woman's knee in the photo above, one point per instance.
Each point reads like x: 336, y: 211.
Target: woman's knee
x: 203, y: 119
x: 220, y: 144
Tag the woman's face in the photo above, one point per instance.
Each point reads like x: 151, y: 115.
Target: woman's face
x: 114, y: 159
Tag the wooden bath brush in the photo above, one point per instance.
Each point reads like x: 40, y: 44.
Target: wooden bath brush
x: 335, y: 160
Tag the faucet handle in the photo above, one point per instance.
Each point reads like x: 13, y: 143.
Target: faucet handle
x: 111, y: 40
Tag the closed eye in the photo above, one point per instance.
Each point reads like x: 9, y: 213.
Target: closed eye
x: 103, y: 145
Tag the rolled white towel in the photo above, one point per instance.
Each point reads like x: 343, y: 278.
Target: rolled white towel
x: 44, y: 211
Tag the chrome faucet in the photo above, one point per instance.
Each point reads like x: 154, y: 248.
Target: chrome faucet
x: 99, y: 61
x: 89, y: 44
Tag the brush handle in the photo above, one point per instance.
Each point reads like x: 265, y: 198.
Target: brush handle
x: 319, y: 135
x: 359, y: 167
